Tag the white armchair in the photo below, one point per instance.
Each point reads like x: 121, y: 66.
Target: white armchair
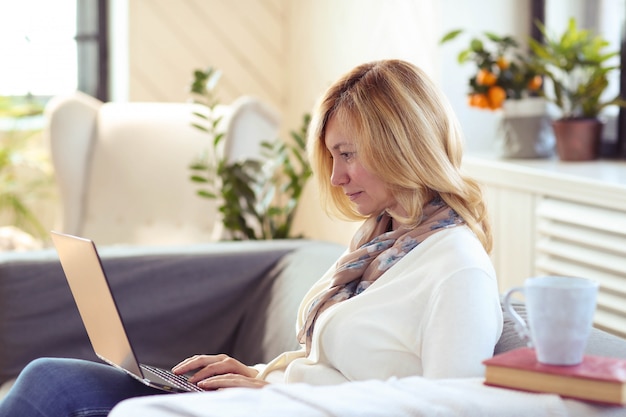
x: 122, y: 168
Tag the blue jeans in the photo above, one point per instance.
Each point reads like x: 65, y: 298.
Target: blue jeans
x: 53, y: 387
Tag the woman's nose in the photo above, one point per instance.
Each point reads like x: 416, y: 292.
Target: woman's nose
x: 338, y: 177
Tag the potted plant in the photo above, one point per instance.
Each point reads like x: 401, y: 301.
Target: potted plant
x: 577, y: 66
x: 504, y: 81
x: 258, y: 198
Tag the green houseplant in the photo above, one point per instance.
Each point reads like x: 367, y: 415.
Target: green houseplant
x: 577, y: 66
x: 258, y: 198
x: 25, y: 173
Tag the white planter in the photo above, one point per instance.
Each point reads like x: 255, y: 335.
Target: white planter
x: 525, y: 130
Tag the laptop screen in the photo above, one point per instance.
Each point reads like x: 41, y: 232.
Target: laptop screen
x: 96, y: 305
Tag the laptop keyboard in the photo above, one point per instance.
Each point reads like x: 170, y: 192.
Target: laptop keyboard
x: 179, y: 381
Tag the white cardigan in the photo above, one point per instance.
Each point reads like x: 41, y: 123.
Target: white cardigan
x: 436, y: 313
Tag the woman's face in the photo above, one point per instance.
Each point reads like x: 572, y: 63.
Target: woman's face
x: 367, y: 192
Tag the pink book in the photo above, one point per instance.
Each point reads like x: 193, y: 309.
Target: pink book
x: 597, y: 378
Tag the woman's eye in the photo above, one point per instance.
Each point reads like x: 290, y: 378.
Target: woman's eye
x: 347, y: 155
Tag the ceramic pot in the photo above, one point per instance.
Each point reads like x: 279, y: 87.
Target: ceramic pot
x: 524, y: 130
x: 577, y: 139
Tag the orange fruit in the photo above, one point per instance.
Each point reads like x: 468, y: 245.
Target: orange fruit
x: 478, y: 100
x: 496, y: 95
x: 471, y: 100
x: 485, y: 77
x: 502, y: 63
x: 535, y: 83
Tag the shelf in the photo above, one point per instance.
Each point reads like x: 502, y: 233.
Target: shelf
x: 600, y: 182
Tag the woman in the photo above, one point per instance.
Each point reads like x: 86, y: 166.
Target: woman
x: 415, y: 293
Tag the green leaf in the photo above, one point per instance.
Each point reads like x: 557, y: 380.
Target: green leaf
x: 197, y: 178
x: 200, y: 127
x: 206, y: 194
x: 218, y: 138
x: 450, y: 35
x: 493, y: 37
x: 201, y: 115
x: 464, y: 56
x: 198, y: 166
x: 477, y: 45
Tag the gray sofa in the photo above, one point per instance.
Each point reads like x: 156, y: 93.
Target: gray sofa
x: 238, y: 298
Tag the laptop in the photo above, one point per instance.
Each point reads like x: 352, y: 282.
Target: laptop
x: 92, y: 293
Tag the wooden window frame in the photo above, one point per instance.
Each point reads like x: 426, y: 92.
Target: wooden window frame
x: 92, y: 33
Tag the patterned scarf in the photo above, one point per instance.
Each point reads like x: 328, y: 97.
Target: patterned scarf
x: 373, y: 250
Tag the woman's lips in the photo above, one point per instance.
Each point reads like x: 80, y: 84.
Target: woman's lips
x: 353, y: 196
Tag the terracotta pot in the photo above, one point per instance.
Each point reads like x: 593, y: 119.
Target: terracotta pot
x: 577, y: 139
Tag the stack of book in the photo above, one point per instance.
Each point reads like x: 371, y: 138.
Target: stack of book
x: 598, y: 379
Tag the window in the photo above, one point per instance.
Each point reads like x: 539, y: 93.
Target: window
x: 37, y: 47
x: 53, y: 47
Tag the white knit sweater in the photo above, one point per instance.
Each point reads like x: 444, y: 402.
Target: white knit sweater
x: 436, y: 313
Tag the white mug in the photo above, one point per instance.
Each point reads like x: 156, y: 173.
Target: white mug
x: 560, y: 314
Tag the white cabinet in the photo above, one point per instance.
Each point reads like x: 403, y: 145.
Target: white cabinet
x: 559, y: 218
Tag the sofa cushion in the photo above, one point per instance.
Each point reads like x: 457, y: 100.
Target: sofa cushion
x: 270, y: 329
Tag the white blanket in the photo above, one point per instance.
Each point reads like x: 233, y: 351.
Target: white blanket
x: 407, y: 397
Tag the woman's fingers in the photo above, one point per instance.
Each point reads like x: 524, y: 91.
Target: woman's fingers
x: 211, y: 365
x: 231, y: 381
x: 196, y: 362
x: 225, y: 365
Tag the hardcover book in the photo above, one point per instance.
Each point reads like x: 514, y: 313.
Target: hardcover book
x: 598, y: 378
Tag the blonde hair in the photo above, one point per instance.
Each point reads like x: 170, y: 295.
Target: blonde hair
x: 406, y: 134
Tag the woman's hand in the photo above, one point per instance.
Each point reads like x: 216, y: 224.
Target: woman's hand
x: 218, y: 371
